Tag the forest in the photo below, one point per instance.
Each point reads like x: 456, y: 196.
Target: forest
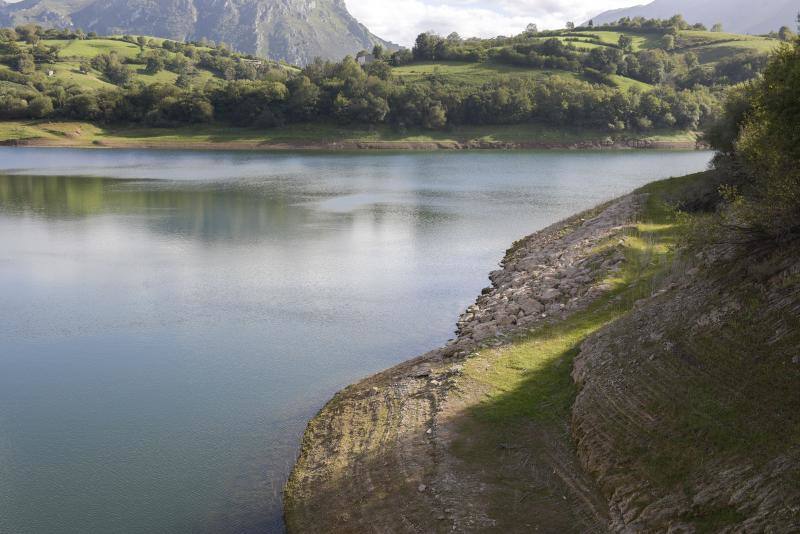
x: 635, y: 75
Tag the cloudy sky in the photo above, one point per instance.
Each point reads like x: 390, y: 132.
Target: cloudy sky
x: 401, y: 21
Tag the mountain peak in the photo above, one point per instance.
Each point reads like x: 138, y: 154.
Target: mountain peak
x: 296, y: 31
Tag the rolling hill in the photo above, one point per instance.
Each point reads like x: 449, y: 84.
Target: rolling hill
x: 506, y: 57
x: 296, y: 31
x: 739, y: 16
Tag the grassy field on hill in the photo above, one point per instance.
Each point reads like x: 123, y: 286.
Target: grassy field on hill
x: 75, y: 53
x: 614, y: 82
x: 82, y: 134
x: 471, y: 73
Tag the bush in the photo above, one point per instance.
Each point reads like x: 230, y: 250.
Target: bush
x: 761, y: 135
x: 40, y: 107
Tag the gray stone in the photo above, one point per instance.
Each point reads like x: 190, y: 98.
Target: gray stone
x: 530, y: 306
x: 550, y: 294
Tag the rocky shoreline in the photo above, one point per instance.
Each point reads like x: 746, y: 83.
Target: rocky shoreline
x: 380, y: 447
x: 665, y: 405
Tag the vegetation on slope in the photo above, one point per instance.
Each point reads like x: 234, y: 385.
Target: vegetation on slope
x: 617, y: 79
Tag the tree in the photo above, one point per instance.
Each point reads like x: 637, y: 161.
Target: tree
x: 785, y: 34
x: 427, y: 47
x: 717, y: 28
x: 112, y: 68
x: 668, y: 42
x: 625, y: 42
x: 303, y: 98
x: 40, y: 107
x: 591, y: 23
x: 570, y: 25
x: 377, y: 51
x: 8, y: 35
x: 768, y: 146
x: 141, y: 41
x: 29, y: 33
x: 532, y: 28
x: 435, y: 117
x: 154, y: 65
x: 677, y: 23
x: 25, y: 64
x: 379, y: 69
x: 183, y: 80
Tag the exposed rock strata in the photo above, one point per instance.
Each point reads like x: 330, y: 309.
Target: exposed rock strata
x: 687, y: 410
x: 686, y: 420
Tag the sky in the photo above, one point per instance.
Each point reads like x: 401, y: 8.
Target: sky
x: 400, y: 21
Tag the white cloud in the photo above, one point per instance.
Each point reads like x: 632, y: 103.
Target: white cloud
x: 402, y: 20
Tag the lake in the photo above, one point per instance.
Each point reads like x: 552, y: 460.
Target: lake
x: 170, y: 320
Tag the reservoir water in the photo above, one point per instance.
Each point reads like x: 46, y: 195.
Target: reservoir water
x: 169, y: 321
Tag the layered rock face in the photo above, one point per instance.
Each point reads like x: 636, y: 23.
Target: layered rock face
x: 686, y: 420
x: 688, y: 411
x: 296, y: 31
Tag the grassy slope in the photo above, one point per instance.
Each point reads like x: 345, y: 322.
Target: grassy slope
x: 72, y: 52
x: 710, y: 47
x: 470, y: 73
x: 530, y: 379
x: 476, y: 74
x: 700, y: 421
x: 85, y: 134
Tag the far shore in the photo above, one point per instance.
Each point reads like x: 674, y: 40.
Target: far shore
x: 327, y: 137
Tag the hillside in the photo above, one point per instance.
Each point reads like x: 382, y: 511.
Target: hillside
x: 615, y: 56
x: 619, y: 86
x: 72, y: 65
x: 739, y: 16
x: 296, y: 31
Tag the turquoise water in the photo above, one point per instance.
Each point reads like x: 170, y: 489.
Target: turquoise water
x: 170, y: 320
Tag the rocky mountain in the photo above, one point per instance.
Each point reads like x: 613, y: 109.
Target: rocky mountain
x: 293, y: 30
x: 739, y: 16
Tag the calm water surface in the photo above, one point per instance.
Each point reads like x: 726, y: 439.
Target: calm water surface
x: 170, y: 320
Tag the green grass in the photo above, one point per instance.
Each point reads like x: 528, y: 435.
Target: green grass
x: 531, y: 378
x: 471, y: 73
x: 641, y: 41
x: 163, y: 76
x: 69, y: 72
x: 583, y: 43
x: 90, y: 48
x: 715, y: 52
x: 710, y: 37
x: 311, y: 133
x: 476, y: 74
x: 628, y: 83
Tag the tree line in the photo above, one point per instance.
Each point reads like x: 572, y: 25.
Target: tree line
x: 249, y: 91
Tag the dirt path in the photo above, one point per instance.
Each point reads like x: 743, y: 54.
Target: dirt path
x: 415, y: 448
